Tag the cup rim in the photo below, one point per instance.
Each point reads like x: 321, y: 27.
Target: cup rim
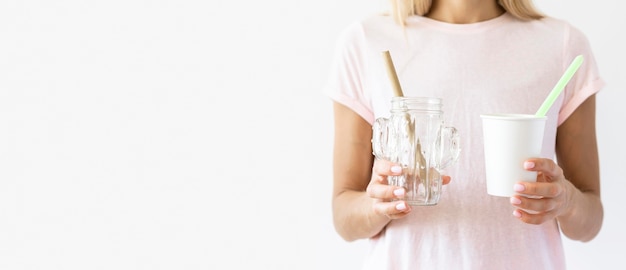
x: 512, y: 116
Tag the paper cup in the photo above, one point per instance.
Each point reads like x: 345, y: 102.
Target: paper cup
x: 509, y: 140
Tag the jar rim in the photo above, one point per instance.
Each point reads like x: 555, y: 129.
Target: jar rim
x: 425, y: 104
x: 429, y: 100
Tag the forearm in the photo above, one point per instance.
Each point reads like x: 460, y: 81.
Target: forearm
x: 354, y: 217
x: 583, y: 219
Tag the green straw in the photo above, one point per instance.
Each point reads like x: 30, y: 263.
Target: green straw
x: 556, y: 91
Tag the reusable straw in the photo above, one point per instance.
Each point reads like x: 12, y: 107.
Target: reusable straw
x: 397, y: 90
x: 391, y: 72
x: 556, y: 91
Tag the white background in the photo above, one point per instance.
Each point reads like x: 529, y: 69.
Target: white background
x: 188, y: 134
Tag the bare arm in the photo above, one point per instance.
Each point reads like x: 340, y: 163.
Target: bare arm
x: 577, y: 154
x: 353, y: 214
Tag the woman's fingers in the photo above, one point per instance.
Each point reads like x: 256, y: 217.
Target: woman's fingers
x: 446, y: 179
x: 388, y: 199
x: 536, y: 205
x: 393, y: 210
x: 538, y: 189
x: 385, y: 168
x: 549, y: 170
x: 543, y: 200
x: 385, y: 192
x: 532, y: 218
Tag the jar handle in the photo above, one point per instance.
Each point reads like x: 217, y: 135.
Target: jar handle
x: 380, y: 138
x: 449, y: 146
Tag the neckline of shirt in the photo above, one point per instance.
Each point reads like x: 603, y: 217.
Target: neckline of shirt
x: 467, y: 27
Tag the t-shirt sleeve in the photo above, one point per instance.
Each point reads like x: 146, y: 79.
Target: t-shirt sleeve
x: 346, y: 83
x: 587, y: 81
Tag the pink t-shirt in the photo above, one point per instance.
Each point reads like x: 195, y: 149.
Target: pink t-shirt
x: 503, y: 65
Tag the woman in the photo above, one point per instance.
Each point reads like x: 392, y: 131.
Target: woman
x: 479, y: 56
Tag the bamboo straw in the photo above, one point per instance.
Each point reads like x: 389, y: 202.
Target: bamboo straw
x: 391, y: 72
x: 397, y: 90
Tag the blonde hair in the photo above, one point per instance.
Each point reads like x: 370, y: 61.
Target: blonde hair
x: 401, y: 9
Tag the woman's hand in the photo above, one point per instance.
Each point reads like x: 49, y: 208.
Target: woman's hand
x: 546, y: 199
x: 384, y: 194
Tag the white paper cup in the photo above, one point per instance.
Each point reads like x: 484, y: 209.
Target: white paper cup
x: 510, y: 139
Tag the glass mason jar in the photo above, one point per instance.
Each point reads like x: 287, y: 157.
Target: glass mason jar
x: 415, y: 137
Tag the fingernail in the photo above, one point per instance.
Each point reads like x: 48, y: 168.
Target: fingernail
x: 399, y: 192
x: 529, y: 165
x: 518, y: 187
x: 517, y: 214
x: 401, y: 206
x: 515, y: 200
x: 396, y: 169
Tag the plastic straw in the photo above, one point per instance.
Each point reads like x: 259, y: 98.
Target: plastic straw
x: 560, y: 85
x: 391, y: 72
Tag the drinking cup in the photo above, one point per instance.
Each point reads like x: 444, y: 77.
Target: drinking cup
x: 415, y: 137
x: 510, y: 139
